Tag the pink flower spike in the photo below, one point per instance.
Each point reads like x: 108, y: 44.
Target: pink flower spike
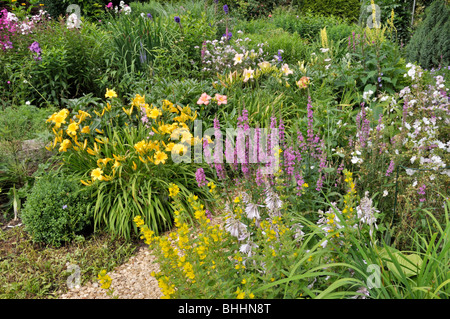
x: 204, y: 99
x: 221, y: 99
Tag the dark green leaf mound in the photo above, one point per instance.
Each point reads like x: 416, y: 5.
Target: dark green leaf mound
x: 56, y: 210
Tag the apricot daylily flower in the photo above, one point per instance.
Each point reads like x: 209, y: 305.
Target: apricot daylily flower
x: 221, y: 99
x: 82, y: 115
x: 103, y: 161
x: 154, y: 113
x: 285, y: 69
x: 204, y: 99
x: 303, y: 82
x: 238, y: 58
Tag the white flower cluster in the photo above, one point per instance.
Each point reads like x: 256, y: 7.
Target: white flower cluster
x: 73, y: 21
x: 367, y: 213
x: 221, y: 55
x: 329, y: 221
x: 414, y: 71
x: 426, y: 117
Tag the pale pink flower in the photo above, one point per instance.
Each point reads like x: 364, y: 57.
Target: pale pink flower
x: 204, y: 99
x: 221, y: 99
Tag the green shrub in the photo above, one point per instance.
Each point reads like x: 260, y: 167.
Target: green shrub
x: 306, y: 24
x: 430, y: 45
x: 88, y: 8
x: 72, y: 63
x: 348, y: 9
x: 293, y: 47
x: 57, y: 209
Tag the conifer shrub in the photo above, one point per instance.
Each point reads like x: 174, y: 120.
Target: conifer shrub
x: 430, y: 44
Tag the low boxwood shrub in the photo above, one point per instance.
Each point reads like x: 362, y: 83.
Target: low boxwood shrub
x: 57, y: 210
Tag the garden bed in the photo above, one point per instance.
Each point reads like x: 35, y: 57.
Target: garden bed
x: 207, y: 150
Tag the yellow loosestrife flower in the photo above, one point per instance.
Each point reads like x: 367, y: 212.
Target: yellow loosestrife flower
x: 173, y: 190
x: 104, y: 279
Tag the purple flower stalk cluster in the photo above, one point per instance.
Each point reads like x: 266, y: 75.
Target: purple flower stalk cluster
x: 390, y: 168
x: 292, y: 155
x: 10, y: 25
x: 363, y: 127
x: 353, y: 41
x: 200, y: 177
x: 220, y: 169
x: 421, y: 191
x: 34, y: 47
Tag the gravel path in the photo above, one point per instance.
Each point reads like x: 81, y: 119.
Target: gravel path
x: 131, y: 280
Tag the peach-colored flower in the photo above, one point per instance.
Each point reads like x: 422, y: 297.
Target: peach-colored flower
x: 303, y: 82
x: 221, y: 99
x: 204, y: 99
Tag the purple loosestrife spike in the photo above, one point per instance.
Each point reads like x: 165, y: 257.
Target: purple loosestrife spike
x: 218, y: 152
x: 200, y: 177
x: 259, y: 177
x: 390, y: 168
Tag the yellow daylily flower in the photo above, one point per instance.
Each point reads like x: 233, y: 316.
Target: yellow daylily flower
x: 160, y: 157
x: 97, y: 174
x: 86, y: 130
x: 110, y: 93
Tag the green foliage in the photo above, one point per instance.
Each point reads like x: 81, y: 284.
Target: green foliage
x: 250, y: 9
x: 430, y: 44
x: 72, y: 63
x: 293, y: 46
x: 57, y: 209
x: 402, y: 15
x: 88, y: 8
x: 307, y: 24
x: 17, y: 158
x: 43, y: 272
x: 348, y: 9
